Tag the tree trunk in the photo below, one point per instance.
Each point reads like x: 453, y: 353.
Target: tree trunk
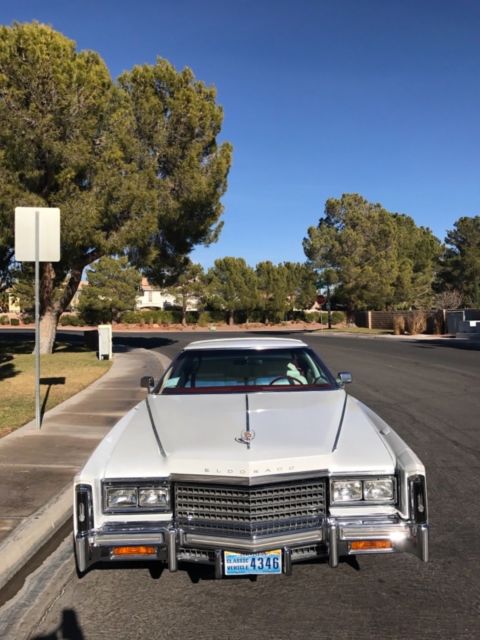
x: 184, y: 313
x: 48, y: 330
x: 52, y: 305
x: 230, y: 318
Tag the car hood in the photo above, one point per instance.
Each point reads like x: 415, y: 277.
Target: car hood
x: 293, y: 432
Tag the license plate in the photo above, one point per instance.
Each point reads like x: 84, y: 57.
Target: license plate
x: 244, y: 564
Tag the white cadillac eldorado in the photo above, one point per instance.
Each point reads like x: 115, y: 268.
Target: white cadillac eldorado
x: 249, y: 455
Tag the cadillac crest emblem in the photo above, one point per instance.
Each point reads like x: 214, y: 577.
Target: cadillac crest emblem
x: 246, y: 437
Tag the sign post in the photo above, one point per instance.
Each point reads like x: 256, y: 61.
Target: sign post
x: 37, y: 239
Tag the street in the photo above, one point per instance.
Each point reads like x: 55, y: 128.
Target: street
x: 428, y: 391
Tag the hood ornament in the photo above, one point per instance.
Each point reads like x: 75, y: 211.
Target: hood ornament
x: 248, y: 435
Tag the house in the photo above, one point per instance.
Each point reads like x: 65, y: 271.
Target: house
x: 152, y: 297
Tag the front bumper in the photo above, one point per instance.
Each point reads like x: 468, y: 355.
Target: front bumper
x: 332, y: 540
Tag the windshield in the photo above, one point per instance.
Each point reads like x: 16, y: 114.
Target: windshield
x: 240, y: 370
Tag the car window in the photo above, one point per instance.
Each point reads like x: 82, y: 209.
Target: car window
x: 242, y: 369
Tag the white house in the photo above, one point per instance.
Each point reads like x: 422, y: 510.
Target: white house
x: 153, y: 297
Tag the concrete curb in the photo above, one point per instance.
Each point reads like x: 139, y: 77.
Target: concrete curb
x: 36, y: 530
x: 26, y: 539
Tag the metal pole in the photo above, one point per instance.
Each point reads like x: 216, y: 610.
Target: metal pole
x: 37, y: 321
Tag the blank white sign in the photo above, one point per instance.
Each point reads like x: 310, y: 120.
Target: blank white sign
x: 48, y: 234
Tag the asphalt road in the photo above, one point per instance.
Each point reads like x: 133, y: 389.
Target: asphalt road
x: 429, y: 391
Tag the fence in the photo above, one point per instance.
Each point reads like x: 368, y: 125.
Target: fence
x: 438, y: 321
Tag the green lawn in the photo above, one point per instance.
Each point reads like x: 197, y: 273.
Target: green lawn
x: 62, y: 374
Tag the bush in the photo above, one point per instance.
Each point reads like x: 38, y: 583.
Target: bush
x: 3, y: 319
x: 93, y: 317
x: 416, y: 322
x: 296, y: 315
x: 14, y: 322
x: 192, y: 317
x: 312, y: 316
x: 166, y: 317
x: 204, y: 319
x: 71, y: 320
x: 399, y: 325
x: 256, y: 315
x: 338, y: 317
x: 131, y: 317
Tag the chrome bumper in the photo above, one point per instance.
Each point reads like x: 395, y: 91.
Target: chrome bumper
x: 332, y: 540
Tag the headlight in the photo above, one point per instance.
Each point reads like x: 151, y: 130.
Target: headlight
x: 135, y: 497
x: 374, y: 490
x: 346, y: 490
x: 121, y: 497
x: 378, y: 490
x: 154, y: 497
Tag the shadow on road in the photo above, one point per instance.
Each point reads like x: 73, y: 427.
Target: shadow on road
x: 449, y: 343
x: 68, y: 628
x: 141, y: 342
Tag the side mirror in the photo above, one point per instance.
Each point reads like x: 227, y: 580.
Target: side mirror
x: 344, y: 377
x: 148, y: 383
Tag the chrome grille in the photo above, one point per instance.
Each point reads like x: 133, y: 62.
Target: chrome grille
x: 250, y: 511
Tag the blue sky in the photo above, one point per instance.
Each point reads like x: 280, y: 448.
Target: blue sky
x: 321, y: 97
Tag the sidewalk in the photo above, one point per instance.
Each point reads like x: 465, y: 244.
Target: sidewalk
x: 37, y: 467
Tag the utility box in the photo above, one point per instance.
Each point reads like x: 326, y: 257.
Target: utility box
x: 104, y: 341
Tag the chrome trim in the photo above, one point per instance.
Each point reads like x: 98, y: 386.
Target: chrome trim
x: 142, y: 483
x: 363, y: 502
x: 422, y: 542
x: 417, y: 490
x: 333, y: 545
x: 337, y: 533
x: 82, y: 548
x: 251, y: 545
x: 232, y: 511
x: 218, y: 564
x: 84, y: 497
x: 340, y: 424
x: 248, y: 480
x: 171, y: 538
x: 129, y: 539
x: 287, y: 561
x: 152, y: 424
x: 372, y: 532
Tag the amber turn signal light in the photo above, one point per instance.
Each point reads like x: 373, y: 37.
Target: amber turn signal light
x: 134, y: 551
x: 370, y: 545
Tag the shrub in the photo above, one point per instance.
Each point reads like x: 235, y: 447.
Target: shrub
x: 296, y: 315
x: 26, y: 319
x: 416, y: 322
x: 338, y: 317
x: 14, y: 322
x: 153, y: 316
x: 312, y: 316
x: 130, y: 317
x: 71, y: 320
x: 166, y: 317
x: 256, y: 315
x: 399, y: 325
x: 3, y: 319
x: 192, y: 317
x: 204, y: 319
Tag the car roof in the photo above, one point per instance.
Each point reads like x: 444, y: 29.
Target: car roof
x: 246, y: 343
